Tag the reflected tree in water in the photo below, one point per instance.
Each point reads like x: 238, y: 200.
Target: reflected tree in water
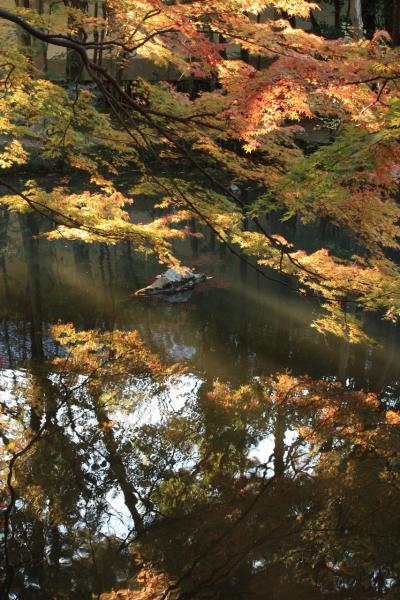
x: 269, y: 490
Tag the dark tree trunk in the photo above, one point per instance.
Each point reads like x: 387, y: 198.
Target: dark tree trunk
x: 388, y: 15
x: 396, y: 23
x: 30, y: 231
x: 337, y: 4
x: 279, y: 438
x: 369, y: 17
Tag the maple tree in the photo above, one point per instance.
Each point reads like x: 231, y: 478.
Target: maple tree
x: 264, y: 79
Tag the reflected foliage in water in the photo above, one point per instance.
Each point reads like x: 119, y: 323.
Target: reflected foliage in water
x: 284, y: 487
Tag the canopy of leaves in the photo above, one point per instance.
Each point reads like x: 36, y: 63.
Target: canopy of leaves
x: 262, y: 80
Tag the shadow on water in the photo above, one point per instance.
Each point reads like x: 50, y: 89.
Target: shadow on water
x: 120, y: 474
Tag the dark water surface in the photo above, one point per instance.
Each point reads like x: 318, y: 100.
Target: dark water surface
x: 285, y: 489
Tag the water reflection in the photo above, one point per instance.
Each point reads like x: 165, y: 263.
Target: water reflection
x: 122, y: 472
x: 129, y: 475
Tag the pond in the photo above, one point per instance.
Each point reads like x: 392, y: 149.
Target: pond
x: 264, y: 464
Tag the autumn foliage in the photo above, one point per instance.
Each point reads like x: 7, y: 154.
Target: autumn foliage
x: 261, y: 80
